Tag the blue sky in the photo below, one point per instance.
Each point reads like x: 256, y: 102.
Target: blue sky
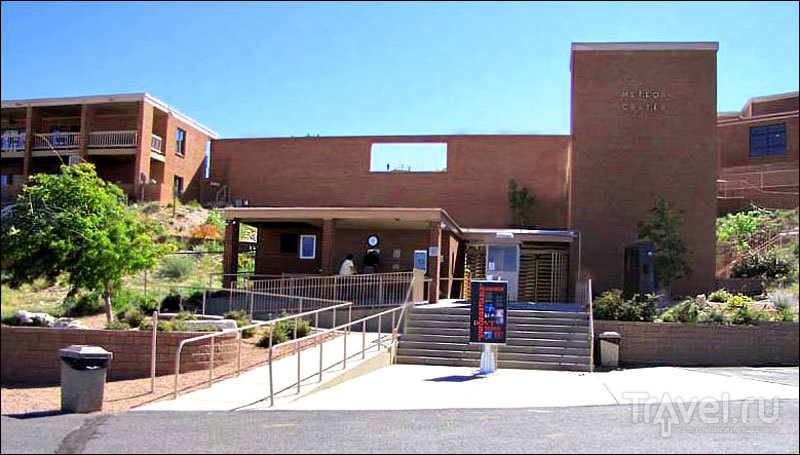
x: 278, y: 69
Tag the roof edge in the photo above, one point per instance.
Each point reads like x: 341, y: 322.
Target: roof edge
x: 647, y: 46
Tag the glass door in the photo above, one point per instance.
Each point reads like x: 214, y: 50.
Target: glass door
x: 502, y: 263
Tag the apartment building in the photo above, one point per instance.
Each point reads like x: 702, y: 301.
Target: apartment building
x: 136, y: 141
x: 758, y: 154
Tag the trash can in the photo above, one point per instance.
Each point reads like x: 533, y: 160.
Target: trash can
x: 609, y: 349
x: 83, y: 378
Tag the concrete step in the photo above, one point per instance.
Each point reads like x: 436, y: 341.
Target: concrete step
x: 445, y: 361
x: 502, y: 356
x: 539, y: 335
x: 435, y: 323
x: 515, y: 327
x: 418, y: 316
x: 555, y: 350
x: 580, y: 343
x: 548, y: 314
x: 464, y: 332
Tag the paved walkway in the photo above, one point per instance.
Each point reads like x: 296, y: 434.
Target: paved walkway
x: 432, y: 387
x: 251, y: 389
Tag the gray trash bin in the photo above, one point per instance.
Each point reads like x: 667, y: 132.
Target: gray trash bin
x: 609, y: 349
x: 83, y: 378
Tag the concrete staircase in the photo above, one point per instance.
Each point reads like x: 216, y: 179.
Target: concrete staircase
x: 544, y: 340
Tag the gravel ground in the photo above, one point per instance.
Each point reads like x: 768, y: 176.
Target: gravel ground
x: 121, y: 396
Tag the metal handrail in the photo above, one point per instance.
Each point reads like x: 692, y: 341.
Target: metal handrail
x: 341, y: 327
x: 591, y: 324
x: 238, y: 331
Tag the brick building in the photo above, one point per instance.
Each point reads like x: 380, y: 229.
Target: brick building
x: 644, y: 124
x: 135, y: 141
x: 758, y: 154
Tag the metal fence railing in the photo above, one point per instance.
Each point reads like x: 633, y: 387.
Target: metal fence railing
x: 369, y: 290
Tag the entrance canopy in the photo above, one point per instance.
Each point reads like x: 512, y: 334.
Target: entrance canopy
x: 315, y: 240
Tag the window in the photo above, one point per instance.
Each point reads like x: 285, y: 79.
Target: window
x: 408, y: 157
x: 308, y: 246
x: 180, y: 142
x: 768, y: 140
x: 289, y: 243
x: 177, y: 185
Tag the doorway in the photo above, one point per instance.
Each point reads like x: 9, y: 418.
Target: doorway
x: 502, y: 263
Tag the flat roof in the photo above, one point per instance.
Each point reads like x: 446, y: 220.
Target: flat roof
x: 647, y: 46
x: 112, y: 98
x: 436, y: 215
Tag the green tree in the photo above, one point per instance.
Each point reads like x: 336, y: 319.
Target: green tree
x: 520, y: 202
x: 75, y: 222
x: 664, y: 230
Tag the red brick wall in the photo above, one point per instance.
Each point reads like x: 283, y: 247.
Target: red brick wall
x: 335, y: 171
x: 775, y: 106
x: 270, y: 260
x: 734, y: 143
x: 622, y: 159
x: 646, y: 343
x: 190, y: 166
x: 30, y: 354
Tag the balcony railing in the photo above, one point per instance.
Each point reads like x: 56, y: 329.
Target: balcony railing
x: 57, y: 141
x: 13, y: 142
x: 113, y: 139
x: 157, y: 144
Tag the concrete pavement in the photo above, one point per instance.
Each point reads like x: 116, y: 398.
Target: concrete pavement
x: 430, y: 387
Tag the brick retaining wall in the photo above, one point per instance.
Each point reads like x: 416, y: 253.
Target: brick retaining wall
x: 646, y: 343
x: 30, y: 354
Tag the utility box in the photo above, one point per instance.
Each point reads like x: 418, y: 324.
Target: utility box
x: 83, y: 378
x: 609, y: 349
x: 639, y: 269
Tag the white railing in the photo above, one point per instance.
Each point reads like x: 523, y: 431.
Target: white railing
x: 368, y: 290
x: 157, y: 144
x: 756, y: 180
x: 57, y: 141
x: 110, y: 139
x: 13, y: 142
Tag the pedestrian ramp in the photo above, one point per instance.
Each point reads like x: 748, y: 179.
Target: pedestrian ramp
x: 318, y: 367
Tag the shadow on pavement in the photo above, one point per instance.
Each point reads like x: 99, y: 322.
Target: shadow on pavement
x: 457, y: 378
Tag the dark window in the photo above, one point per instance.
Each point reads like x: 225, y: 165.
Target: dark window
x: 768, y: 140
x: 289, y: 243
x: 177, y: 185
x: 180, y: 142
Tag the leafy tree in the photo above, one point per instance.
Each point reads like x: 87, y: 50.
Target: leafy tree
x: 670, y: 251
x: 75, y: 222
x: 520, y: 203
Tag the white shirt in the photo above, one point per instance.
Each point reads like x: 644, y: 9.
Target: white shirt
x: 347, y: 268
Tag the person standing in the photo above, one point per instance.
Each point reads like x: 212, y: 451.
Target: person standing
x: 347, y: 268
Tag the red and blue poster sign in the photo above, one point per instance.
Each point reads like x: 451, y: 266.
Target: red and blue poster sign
x: 488, y: 312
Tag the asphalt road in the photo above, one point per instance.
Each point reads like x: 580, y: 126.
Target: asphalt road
x: 602, y: 429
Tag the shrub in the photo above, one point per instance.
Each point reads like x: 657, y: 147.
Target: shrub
x: 769, y: 266
x: 172, y: 302
x: 738, y: 302
x: 118, y: 325
x: 133, y: 317
x: 162, y: 326
x: 785, y: 311
x: 687, y: 311
x: 714, y: 316
x: 303, y: 329
x: 88, y: 304
x: 242, y: 319
x: 611, y: 306
x: 720, y: 296
x: 185, y: 316
x: 215, y: 220
x: 280, y: 331
x: 194, y: 205
x: 176, y: 267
